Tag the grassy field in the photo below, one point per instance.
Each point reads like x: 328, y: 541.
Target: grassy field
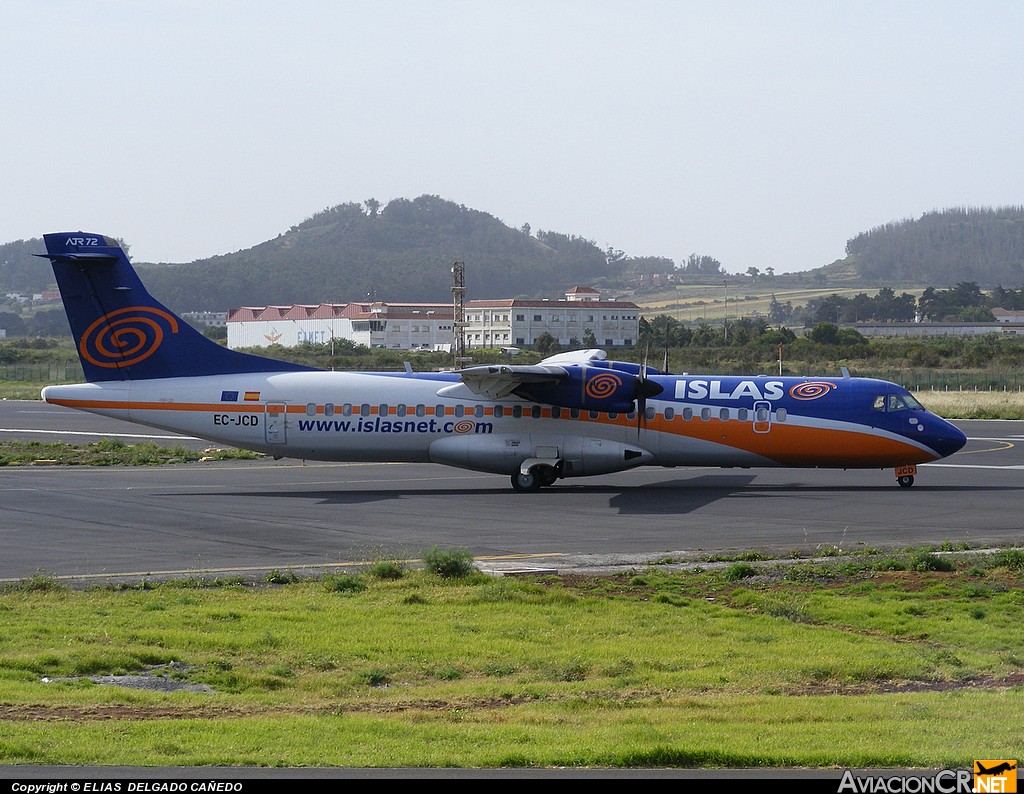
x: 109, y: 452
x: 974, y: 404
x: 695, y: 303
x: 898, y: 659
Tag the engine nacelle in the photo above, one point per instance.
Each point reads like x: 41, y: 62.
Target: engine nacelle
x: 593, y: 388
x: 582, y: 457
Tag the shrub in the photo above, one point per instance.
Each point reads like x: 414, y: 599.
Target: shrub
x: 344, y: 583
x: 39, y: 582
x: 1012, y: 559
x: 740, y: 570
x: 390, y: 569
x: 449, y: 563
x: 931, y: 562
x: 282, y: 577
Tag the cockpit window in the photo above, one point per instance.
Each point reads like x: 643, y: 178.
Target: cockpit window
x: 896, y: 402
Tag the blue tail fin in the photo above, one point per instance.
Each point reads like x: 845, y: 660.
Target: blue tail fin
x: 121, y: 331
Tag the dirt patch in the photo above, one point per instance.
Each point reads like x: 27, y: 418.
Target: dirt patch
x: 95, y: 713
x: 157, y: 678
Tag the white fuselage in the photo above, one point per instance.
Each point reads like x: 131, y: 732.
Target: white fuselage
x: 345, y: 416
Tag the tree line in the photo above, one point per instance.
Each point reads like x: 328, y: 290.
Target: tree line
x: 966, y: 302
x: 977, y: 244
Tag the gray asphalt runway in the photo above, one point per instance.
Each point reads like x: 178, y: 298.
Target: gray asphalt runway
x: 122, y: 523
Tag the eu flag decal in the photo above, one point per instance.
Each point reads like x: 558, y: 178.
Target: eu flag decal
x: 229, y: 396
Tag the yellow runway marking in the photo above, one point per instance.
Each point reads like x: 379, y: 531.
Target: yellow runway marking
x: 1005, y: 446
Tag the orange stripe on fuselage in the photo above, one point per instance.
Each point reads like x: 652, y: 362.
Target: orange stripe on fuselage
x: 795, y: 445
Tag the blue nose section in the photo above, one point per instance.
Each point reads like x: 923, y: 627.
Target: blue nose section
x: 944, y: 438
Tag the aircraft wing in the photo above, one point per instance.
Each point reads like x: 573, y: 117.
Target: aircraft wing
x: 500, y: 380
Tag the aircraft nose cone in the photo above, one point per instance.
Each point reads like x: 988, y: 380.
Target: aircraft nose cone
x: 946, y: 439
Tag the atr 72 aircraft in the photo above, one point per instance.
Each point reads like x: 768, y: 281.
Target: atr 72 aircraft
x: 573, y: 415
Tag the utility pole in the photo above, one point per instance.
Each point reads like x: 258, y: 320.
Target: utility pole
x: 725, y: 322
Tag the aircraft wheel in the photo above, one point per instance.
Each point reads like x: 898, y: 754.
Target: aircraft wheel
x: 525, y: 482
x: 547, y: 475
x: 906, y: 481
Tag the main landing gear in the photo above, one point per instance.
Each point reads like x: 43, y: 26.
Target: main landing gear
x: 537, y: 476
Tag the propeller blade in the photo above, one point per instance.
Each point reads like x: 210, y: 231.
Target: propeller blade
x: 641, y: 394
x: 644, y: 388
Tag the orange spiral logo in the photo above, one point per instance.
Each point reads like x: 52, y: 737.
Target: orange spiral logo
x: 603, y: 386
x: 126, y: 336
x: 465, y: 426
x: 811, y: 390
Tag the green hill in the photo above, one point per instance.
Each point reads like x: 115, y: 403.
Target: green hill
x: 404, y: 251
x: 940, y: 249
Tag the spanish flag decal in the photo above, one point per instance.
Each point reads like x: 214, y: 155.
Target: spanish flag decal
x: 252, y: 396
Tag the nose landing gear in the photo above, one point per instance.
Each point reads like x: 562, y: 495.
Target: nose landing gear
x: 905, y: 475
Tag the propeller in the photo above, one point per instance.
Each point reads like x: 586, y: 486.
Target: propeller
x: 644, y: 388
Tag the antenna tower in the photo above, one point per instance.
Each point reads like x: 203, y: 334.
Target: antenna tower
x: 459, y: 311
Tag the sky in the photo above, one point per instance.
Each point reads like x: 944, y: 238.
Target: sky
x: 763, y: 133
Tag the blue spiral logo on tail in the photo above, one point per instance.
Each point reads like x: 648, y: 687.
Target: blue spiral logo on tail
x: 126, y: 336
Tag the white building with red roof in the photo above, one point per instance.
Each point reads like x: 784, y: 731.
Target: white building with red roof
x: 430, y: 326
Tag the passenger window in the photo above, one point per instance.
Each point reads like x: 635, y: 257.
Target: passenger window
x: 723, y: 414
x: 574, y: 413
x: 535, y: 412
x: 329, y: 409
x: 761, y: 415
x: 650, y: 413
x: 421, y: 410
x: 460, y: 410
x: 400, y: 410
x: 741, y: 414
x: 780, y: 415
x: 556, y: 412
x: 382, y: 410
x: 478, y: 410
x: 670, y: 412
x: 364, y: 409
x: 499, y: 411
x: 593, y: 414
x: 346, y: 409
x: 517, y: 411
x: 705, y: 414
x: 687, y: 414
x: 310, y: 409
x: 438, y: 410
